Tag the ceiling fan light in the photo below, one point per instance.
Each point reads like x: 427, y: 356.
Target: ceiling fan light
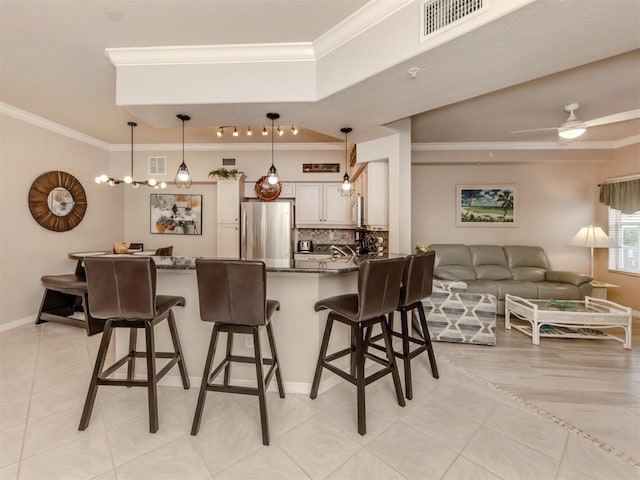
x: 571, y: 132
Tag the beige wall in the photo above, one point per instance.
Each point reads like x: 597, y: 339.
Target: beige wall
x: 557, y: 191
x: 254, y: 163
x: 557, y: 195
x: 27, y: 250
x: 626, y: 161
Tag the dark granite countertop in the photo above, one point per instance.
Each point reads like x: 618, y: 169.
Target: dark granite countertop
x: 328, y: 266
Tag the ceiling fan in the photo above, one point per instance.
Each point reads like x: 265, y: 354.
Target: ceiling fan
x: 573, y: 127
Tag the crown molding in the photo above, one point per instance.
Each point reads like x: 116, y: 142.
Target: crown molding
x: 625, y: 142
x: 205, y: 54
x: 368, y: 16
x: 30, y: 118
x: 460, y: 146
x: 360, y: 21
x: 208, y: 147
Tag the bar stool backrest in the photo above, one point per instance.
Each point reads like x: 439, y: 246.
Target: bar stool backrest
x: 232, y: 291
x: 165, y: 251
x: 417, y: 278
x: 121, y: 288
x: 379, y: 287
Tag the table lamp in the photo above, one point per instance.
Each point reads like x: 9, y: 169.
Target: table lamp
x: 592, y: 237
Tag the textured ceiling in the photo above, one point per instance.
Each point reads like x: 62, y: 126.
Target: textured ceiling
x: 515, y: 73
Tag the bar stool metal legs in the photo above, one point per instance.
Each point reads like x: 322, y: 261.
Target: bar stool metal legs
x: 100, y: 376
x: 263, y: 380
x: 407, y: 354
x: 358, y: 351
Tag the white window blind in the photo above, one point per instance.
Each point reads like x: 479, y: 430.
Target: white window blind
x: 624, y: 229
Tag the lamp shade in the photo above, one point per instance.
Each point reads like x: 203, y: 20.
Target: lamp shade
x: 592, y: 236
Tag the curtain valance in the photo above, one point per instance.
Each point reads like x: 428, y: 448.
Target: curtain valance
x: 623, y: 196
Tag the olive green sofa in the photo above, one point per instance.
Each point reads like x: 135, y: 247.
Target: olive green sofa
x: 518, y: 270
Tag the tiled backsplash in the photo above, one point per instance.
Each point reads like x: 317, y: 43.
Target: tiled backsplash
x: 323, y: 237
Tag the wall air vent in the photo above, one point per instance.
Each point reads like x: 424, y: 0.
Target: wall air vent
x: 157, y: 165
x: 439, y: 15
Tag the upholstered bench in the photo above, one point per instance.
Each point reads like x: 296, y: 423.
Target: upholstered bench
x: 64, y: 295
x: 455, y: 315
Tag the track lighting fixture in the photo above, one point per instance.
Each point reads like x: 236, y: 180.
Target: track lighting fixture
x: 129, y: 178
x: 183, y: 177
x: 280, y: 130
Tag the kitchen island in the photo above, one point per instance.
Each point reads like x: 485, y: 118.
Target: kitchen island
x: 298, y: 329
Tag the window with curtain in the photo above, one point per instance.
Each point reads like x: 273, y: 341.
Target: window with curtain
x: 624, y: 229
x: 623, y: 198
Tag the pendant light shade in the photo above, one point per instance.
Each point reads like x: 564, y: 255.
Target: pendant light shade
x: 346, y: 189
x: 183, y: 177
x: 272, y: 175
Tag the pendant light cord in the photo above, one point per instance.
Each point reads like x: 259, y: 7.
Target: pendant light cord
x: 272, y: 143
x: 132, y: 124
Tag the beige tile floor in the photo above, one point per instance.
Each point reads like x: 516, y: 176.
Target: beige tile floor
x: 567, y: 409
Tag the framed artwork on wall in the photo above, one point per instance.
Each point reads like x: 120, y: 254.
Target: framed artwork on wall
x: 486, y: 205
x: 176, y: 214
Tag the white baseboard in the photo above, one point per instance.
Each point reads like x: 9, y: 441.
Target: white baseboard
x: 17, y: 323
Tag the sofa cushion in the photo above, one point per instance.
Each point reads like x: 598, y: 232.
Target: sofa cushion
x: 558, y: 291
x: 517, y: 288
x: 453, y: 262
x: 454, y: 272
x: 527, y: 263
x: 573, y: 278
x: 483, y: 286
x: 489, y: 262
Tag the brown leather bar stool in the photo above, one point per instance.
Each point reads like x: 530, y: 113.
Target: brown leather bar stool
x: 233, y: 295
x: 122, y: 291
x: 165, y: 251
x: 65, y: 295
x: 378, y: 292
x: 417, y: 283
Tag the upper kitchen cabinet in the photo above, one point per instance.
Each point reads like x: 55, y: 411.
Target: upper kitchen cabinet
x: 230, y: 194
x: 321, y: 205
x: 373, y: 184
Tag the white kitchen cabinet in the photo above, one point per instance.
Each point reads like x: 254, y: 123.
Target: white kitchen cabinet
x: 322, y: 205
x: 373, y: 184
x: 229, y: 196
x: 228, y: 240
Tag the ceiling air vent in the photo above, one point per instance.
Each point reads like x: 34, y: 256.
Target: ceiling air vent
x: 157, y: 165
x: 438, y: 15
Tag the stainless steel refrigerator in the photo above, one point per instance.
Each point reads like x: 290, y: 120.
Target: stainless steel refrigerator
x: 266, y: 230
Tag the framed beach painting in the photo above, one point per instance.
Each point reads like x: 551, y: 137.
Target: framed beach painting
x: 486, y: 205
x: 176, y: 214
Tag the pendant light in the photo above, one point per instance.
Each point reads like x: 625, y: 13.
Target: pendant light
x: 272, y: 175
x: 346, y: 189
x: 183, y: 178
x: 129, y: 178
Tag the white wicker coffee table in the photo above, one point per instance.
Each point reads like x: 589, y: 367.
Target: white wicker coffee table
x: 574, y: 319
